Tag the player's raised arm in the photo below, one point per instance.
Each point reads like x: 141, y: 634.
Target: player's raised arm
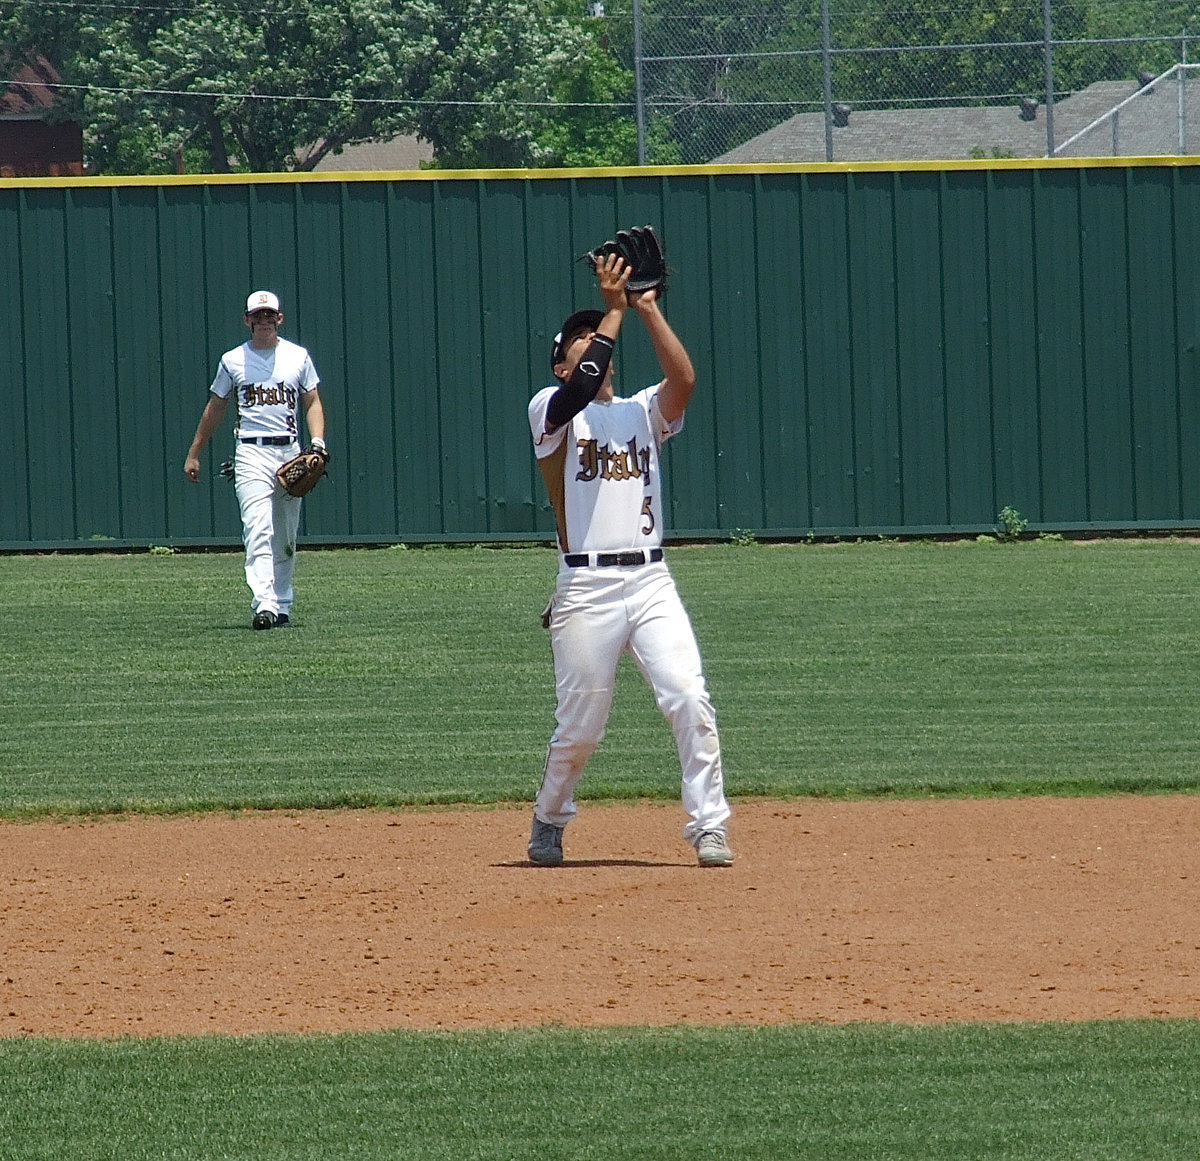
x: 679, y: 376
x: 584, y: 348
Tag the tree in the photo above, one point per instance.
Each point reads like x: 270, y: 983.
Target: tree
x: 510, y: 84
x: 697, y: 50
x: 1106, y: 21
x: 965, y: 54
x: 231, y: 84
x: 602, y: 129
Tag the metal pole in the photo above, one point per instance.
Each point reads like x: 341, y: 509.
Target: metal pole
x: 639, y: 94
x: 827, y: 70
x: 1182, y: 114
x: 1183, y: 70
x: 1048, y: 63
x: 1183, y: 61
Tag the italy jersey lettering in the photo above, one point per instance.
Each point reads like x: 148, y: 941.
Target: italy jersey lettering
x: 607, y: 464
x: 268, y: 395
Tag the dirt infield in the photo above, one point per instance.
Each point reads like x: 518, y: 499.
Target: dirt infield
x: 1029, y: 909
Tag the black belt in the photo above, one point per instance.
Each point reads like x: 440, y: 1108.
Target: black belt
x: 271, y: 440
x: 609, y: 559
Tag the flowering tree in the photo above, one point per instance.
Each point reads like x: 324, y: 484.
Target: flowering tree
x: 223, y: 85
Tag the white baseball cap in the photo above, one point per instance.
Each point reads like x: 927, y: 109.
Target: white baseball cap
x: 262, y: 300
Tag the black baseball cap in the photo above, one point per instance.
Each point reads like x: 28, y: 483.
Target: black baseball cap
x: 581, y: 320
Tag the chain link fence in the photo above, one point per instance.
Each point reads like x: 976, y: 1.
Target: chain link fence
x: 759, y: 81
x: 1161, y: 117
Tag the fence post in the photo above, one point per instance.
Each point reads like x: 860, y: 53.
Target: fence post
x: 639, y: 90
x: 1181, y: 111
x: 1048, y: 62
x: 827, y: 78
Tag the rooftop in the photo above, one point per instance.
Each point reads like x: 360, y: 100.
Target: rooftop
x: 30, y: 93
x: 399, y: 153
x: 1149, y: 126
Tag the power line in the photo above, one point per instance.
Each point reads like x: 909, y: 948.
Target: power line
x: 328, y: 100
x: 87, y: 7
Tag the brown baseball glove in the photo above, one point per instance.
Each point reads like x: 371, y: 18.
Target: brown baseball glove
x: 300, y: 475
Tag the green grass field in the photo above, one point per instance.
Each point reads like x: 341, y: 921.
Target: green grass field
x: 422, y: 676
x: 1085, y: 1092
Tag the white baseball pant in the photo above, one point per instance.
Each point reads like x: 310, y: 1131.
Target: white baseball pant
x: 597, y: 614
x: 270, y: 521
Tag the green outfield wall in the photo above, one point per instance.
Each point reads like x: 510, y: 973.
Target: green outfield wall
x: 881, y: 349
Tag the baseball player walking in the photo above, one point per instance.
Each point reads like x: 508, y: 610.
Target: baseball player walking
x: 599, y: 456
x: 274, y: 379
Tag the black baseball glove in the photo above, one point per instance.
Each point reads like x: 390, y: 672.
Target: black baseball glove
x: 643, y: 253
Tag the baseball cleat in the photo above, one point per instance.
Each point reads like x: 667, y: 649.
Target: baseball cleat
x: 545, y: 844
x: 713, y: 851
x: 282, y: 621
x: 264, y: 620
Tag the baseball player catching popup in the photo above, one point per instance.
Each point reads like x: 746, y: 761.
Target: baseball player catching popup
x: 274, y: 380
x: 599, y: 456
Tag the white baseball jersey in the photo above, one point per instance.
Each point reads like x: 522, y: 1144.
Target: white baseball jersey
x: 602, y: 471
x: 269, y: 384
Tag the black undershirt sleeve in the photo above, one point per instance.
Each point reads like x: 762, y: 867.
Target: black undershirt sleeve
x: 583, y: 384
